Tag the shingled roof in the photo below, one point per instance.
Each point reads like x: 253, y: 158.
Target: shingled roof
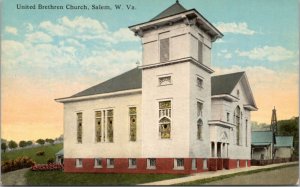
x: 129, y: 80
x: 132, y: 79
x: 224, y: 84
x: 174, y: 9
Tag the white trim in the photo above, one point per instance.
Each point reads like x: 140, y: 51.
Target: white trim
x: 225, y: 96
x: 250, y: 107
x: 64, y: 100
x: 181, y: 60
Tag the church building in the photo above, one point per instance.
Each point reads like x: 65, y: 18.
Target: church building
x: 169, y: 115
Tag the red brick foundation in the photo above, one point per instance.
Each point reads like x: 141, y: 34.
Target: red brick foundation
x: 163, y: 165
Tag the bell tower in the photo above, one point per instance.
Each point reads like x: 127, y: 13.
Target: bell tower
x: 176, y: 85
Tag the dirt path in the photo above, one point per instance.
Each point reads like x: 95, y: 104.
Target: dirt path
x: 14, y: 177
x: 284, y: 176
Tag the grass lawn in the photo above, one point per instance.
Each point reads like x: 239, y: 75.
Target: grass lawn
x: 61, y: 178
x: 50, y: 151
x: 204, y: 181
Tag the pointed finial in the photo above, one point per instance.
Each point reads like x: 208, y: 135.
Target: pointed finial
x: 177, y: 1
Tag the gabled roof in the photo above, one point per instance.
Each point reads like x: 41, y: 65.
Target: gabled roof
x: 224, y: 84
x: 132, y: 79
x: 129, y: 80
x: 261, y: 137
x: 284, y: 141
x: 176, y: 8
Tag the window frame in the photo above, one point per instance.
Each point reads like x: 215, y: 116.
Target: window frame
x: 130, y: 163
x: 149, y: 165
x: 162, y: 77
x: 79, y: 121
x: 96, y: 165
x: 201, y: 80
x: 78, y: 163
x: 110, y: 162
x: 164, y: 113
x: 179, y: 164
x: 130, y: 115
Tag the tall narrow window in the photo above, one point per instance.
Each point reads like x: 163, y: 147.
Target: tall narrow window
x: 199, y: 129
x: 165, y: 119
x: 246, y: 133
x: 199, y: 120
x: 237, y: 114
x: 79, y: 127
x: 132, y: 116
x: 110, y: 130
x: 200, y: 51
x: 199, y: 109
x: 98, y: 126
x: 164, y: 50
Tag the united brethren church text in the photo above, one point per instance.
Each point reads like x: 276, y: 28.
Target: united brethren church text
x: 52, y: 7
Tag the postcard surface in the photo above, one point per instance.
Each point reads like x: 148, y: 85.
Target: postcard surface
x: 128, y: 92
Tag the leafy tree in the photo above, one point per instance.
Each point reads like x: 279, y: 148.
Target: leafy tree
x: 51, y: 141
x: 22, y: 143
x: 29, y: 143
x: 12, y: 144
x: 41, y: 141
x: 3, y: 146
x: 290, y: 127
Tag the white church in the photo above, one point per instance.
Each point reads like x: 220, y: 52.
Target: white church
x: 169, y: 115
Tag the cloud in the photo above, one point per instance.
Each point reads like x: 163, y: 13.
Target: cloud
x: 115, y: 61
x: 85, y: 28
x: 272, y: 54
x: 225, y: 54
x: 11, y: 30
x: 38, y: 37
x: 29, y: 27
x: 235, y: 28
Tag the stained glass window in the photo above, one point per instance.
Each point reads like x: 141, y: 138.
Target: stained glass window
x: 165, y: 128
x: 165, y: 122
x: 132, y: 116
x: 79, y: 127
x: 98, y: 126
x: 110, y: 132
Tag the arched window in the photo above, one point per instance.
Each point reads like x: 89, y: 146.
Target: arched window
x: 237, y: 114
x: 165, y: 128
x: 199, y: 129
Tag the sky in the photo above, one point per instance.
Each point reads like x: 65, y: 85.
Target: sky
x: 49, y: 54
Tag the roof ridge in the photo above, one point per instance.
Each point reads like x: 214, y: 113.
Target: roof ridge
x: 229, y: 73
x: 171, y: 10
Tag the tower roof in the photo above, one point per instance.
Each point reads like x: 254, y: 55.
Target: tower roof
x: 176, y: 8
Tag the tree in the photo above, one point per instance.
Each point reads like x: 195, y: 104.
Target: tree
x: 29, y: 143
x: 290, y: 128
x: 51, y: 141
x: 12, y: 144
x: 41, y: 141
x: 3, y: 146
x: 22, y: 143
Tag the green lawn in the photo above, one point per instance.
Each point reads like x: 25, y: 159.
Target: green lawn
x: 50, y: 151
x: 61, y: 178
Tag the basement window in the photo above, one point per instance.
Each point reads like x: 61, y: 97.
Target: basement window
x: 110, y: 163
x: 151, y: 163
x: 79, y: 163
x: 179, y: 163
x: 132, y: 163
x: 98, y: 163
